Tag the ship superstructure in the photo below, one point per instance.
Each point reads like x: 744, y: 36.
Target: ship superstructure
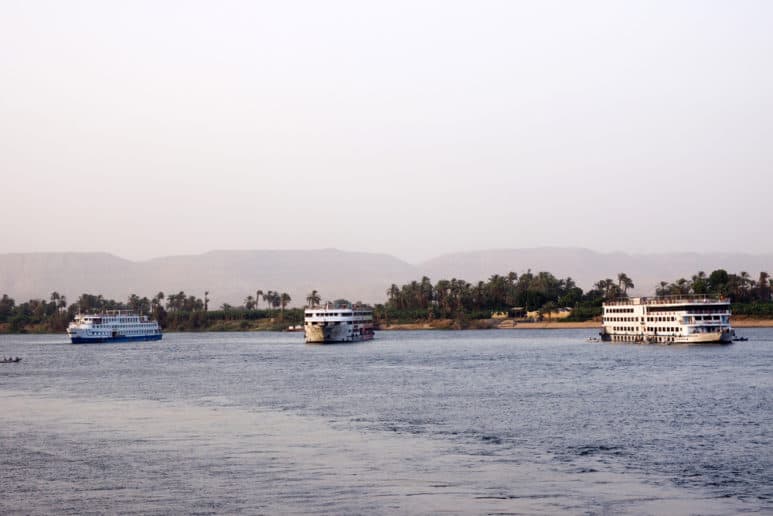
x: 338, y: 322
x: 691, y: 319
x: 112, y: 326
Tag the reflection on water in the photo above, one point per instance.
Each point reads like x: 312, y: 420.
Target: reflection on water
x: 461, y: 422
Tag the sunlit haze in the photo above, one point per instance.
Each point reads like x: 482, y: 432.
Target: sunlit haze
x: 410, y: 128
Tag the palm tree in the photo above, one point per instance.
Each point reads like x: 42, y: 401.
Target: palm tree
x: 746, y: 282
x: 206, y: 300
x: 415, y: 294
x: 268, y: 297
x: 249, y: 303
x: 258, y: 295
x: 609, y: 288
x: 284, y: 299
x: 154, y: 306
x: 274, y: 299
x: 681, y: 287
x: 313, y: 299
x: 425, y: 292
x: 393, y: 293
x: 134, y: 303
x: 443, y: 296
x: 479, y: 295
x: 763, y: 287
x: 497, y: 287
x: 699, y: 283
x: 624, y: 283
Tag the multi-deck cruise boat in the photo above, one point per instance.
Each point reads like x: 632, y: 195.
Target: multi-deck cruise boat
x: 112, y: 326
x: 341, y: 322
x: 668, y: 319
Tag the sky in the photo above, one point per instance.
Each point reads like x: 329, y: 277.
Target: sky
x: 416, y: 128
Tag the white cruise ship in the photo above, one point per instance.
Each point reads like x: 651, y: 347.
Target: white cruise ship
x: 112, y: 326
x: 338, y: 323
x: 668, y: 319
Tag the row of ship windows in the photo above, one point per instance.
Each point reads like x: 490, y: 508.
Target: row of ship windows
x: 106, y: 320
x: 710, y: 311
x: 634, y: 319
x: 336, y: 314
x: 123, y: 334
x: 115, y: 326
x: 648, y: 328
x: 325, y: 323
x: 691, y: 311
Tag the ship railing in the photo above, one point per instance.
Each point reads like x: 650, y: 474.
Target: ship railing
x: 109, y: 312
x: 669, y: 300
x: 338, y: 306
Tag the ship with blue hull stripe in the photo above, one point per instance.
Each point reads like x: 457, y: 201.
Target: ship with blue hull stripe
x: 113, y: 326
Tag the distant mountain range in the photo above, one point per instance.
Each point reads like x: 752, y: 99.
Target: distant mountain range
x: 230, y: 276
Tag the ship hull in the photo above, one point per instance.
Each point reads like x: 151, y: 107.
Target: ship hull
x: 334, y: 334
x: 111, y: 340
x: 702, y: 338
x: 707, y: 338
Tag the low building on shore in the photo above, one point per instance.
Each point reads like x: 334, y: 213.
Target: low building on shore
x: 560, y: 313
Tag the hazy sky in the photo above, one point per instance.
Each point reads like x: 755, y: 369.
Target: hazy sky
x: 412, y: 128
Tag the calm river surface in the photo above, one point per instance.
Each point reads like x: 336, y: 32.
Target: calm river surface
x: 525, y: 422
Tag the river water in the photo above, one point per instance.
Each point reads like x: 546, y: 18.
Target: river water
x: 473, y: 422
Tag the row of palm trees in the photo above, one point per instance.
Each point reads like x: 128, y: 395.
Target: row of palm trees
x: 454, y: 296
x: 612, y: 290
x: 180, y: 302
x: 272, y: 298
x: 276, y: 300
x: 741, y: 288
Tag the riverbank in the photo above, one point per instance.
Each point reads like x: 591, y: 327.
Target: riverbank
x: 487, y: 324
x: 745, y: 322
x: 509, y: 324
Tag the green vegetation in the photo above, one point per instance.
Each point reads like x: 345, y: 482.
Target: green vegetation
x: 455, y: 300
x: 176, y: 312
x: 740, y: 288
x: 463, y: 302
